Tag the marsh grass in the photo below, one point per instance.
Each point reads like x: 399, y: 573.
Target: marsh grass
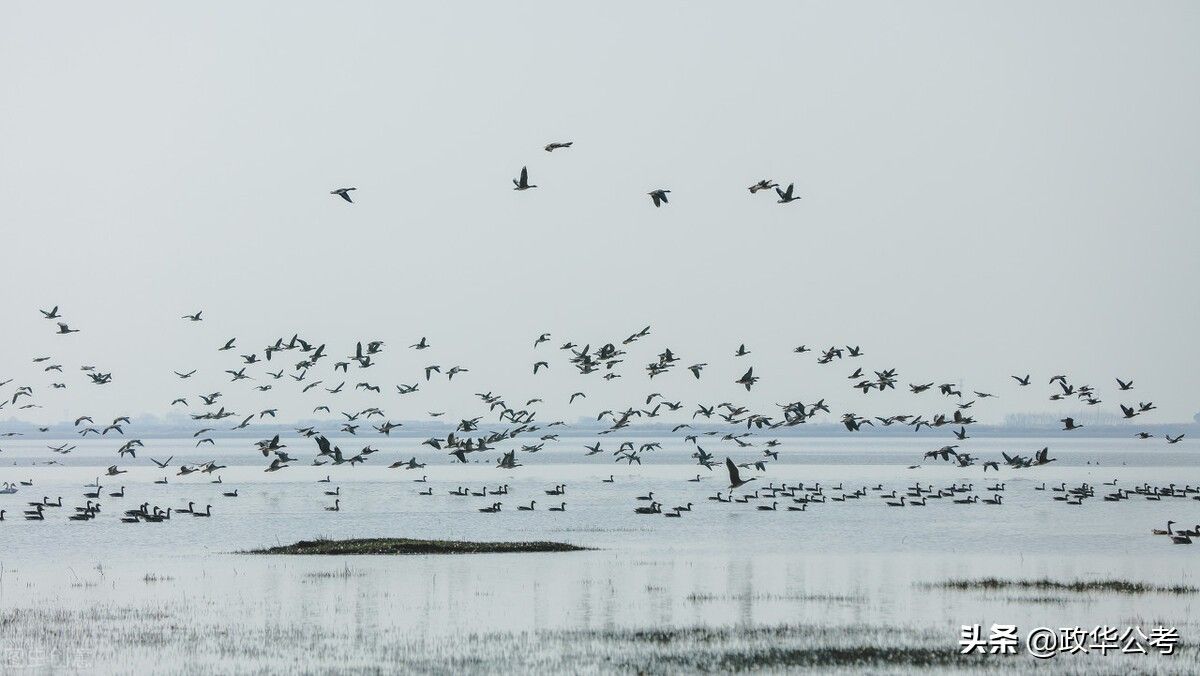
x: 344, y: 574
x: 1080, y: 586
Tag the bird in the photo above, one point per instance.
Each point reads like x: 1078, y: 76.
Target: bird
x: 344, y: 193
x: 523, y: 182
x: 51, y: 314
x: 786, y: 196
x: 764, y: 184
x: 551, y: 147
x: 748, y: 379
x: 735, y: 477
x: 63, y: 329
x: 659, y: 196
x: 193, y: 317
x: 1069, y: 424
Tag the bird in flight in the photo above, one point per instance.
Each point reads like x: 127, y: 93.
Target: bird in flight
x: 735, y: 477
x: 344, y: 193
x: 765, y: 184
x: 658, y: 196
x: 785, y: 196
x: 551, y: 147
x: 52, y: 314
x: 523, y: 182
x: 748, y: 379
x: 193, y: 318
x: 63, y: 329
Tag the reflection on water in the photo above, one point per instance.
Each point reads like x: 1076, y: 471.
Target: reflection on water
x: 840, y: 574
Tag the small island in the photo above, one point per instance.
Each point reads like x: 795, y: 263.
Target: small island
x: 401, y: 546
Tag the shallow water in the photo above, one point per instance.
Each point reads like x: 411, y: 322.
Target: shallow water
x: 845, y: 573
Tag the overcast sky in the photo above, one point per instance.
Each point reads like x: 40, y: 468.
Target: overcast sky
x: 988, y: 189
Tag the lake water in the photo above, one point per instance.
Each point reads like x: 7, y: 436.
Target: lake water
x: 841, y: 574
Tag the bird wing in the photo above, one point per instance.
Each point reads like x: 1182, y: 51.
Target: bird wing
x: 734, y: 477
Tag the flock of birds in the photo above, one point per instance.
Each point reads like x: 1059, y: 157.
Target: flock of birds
x: 308, y: 367
x: 658, y: 196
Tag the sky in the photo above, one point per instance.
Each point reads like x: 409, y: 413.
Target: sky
x: 988, y: 189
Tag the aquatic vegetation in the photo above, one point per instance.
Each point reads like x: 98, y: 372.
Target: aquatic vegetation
x: 1117, y: 586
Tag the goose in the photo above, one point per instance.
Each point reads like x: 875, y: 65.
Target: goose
x: 118, y: 494
x: 337, y: 506
x: 491, y: 510
x: 1156, y: 531
x: 523, y: 508
x: 561, y: 508
x: 896, y: 504
x: 35, y: 514
x: 652, y: 509
x: 673, y: 514
x: 970, y: 499
x: 207, y: 511
x: 1180, y: 539
x: 558, y: 490
x: 763, y: 508
x: 551, y: 147
x: 793, y: 508
x: 428, y: 491
x: 523, y: 182
x: 93, y: 494
x: 649, y: 496
x: 159, y: 516
x: 735, y: 477
x: 764, y: 184
x: 785, y: 196
x: 994, y: 500
x: 422, y: 480
x: 161, y: 481
x: 659, y: 197
x: 344, y: 193
x: 231, y: 494
x: 335, y: 491
x: 186, y: 510
x: 324, y: 481
x: 609, y: 480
